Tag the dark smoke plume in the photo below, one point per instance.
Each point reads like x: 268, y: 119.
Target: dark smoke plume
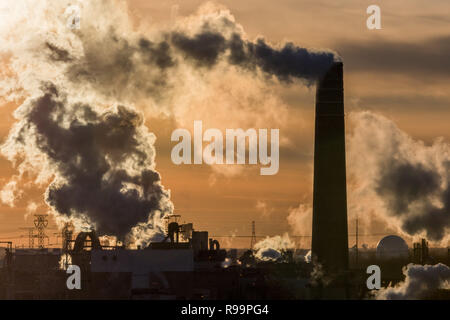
x: 118, y: 67
x: 285, y: 63
x: 103, y: 164
x: 403, y: 184
x: 411, y: 179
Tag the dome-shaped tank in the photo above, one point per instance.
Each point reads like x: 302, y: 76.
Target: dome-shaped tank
x: 392, y: 247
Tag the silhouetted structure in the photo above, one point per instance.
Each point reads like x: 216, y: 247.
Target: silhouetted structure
x: 41, y: 223
x: 420, y: 252
x: 330, y: 235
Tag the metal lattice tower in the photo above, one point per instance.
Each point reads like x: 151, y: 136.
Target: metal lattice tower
x: 67, y: 233
x: 41, y: 223
x: 253, y: 239
x: 31, y: 236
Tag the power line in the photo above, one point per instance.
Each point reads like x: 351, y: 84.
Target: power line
x: 296, y: 236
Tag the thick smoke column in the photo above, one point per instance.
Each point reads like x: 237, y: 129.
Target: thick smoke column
x: 403, y: 184
x: 420, y: 281
x: 74, y: 131
x: 394, y: 179
x: 120, y: 67
x: 108, y: 63
x: 285, y: 63
x: 103, y: 160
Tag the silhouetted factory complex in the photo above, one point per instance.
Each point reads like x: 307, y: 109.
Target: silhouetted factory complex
x: 190, y: 265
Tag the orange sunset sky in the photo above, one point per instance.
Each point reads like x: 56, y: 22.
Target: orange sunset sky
x: 392, y: 72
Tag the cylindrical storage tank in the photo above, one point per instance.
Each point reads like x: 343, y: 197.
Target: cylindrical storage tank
x: 392, y: 247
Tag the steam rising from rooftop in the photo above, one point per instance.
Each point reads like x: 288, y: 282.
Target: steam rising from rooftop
x: 420, y: 281
x: 272, y: 248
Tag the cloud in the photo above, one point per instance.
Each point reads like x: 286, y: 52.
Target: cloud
x: 263, y: 208
x: 423, y: 58
x: 300, y: 219
x: 31, y: 209
x: 392, y: 179
x: 11, y: 192
x: 100, y: 162
x: 401, y: 180
x: 185, y: 69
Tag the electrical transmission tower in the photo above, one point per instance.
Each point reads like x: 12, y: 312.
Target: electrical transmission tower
x: 41, y: 223
x: 253, y: 239
x: 31, y: 236
x: 67, y: 233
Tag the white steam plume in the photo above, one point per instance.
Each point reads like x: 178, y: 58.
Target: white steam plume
x: 398, y: 179
x: 77, y: 129
x: 420, y: 282
x: 394, y: 179
x: 272, y: 248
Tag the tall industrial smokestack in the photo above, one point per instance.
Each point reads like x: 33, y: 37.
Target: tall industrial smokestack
x: 329, y: 235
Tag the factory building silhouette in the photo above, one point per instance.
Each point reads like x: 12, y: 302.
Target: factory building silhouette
x: 329, y: 230
x: 189, y: 264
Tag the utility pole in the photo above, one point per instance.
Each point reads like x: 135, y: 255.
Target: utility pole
x: 253, y: 239
x: 356, y: 241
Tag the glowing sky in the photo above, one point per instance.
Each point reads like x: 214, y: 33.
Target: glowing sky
x: 398, y: 72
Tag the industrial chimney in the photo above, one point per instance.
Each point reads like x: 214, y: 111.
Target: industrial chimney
x: 329, y: 234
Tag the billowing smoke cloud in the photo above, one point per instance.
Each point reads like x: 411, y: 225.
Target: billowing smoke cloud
x: 119, y: 66
x: 73, y: 129
x: 272, y: 248
x: 103, y: 161
x: 420, y: 282
x: 394, y: 179
x: 404, y: 181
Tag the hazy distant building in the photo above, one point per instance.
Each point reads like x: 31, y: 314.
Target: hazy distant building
x: 391, y: 247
